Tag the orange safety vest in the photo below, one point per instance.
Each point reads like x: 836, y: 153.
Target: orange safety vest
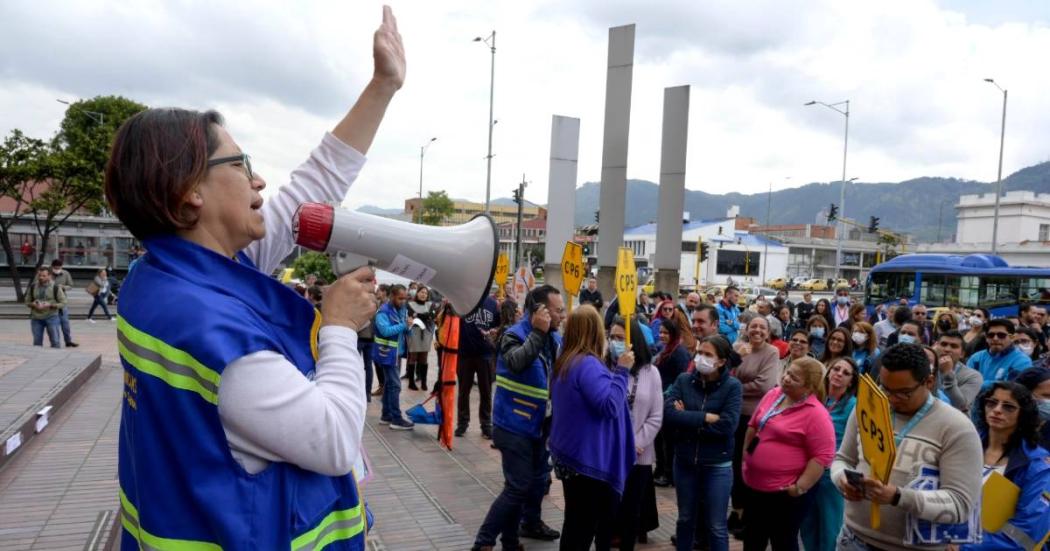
x: 448, y: 341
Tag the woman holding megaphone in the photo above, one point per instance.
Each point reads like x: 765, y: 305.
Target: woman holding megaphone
x: 243, y: 409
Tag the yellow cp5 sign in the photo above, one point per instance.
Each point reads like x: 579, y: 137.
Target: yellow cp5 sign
x: 626, y: 287
x: 502, y: 272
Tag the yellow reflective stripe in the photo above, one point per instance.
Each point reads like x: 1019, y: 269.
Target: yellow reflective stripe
x: 385, y: 342
x: 314, y: 331
x: 338, y: 525
x: 527, y: 390
x: 129, y: 518
x: 524, y: 414
x: 163, y: 373
x: 524, y: 403
x: 167, y: 351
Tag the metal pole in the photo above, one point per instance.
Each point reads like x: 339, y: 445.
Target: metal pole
x: 999, y: 181
x: 940, y: 213
x: 765, y: 240
x: 517, y: 240
x: 419, y: 211
x: 492, y: 91
x: 842, y: 198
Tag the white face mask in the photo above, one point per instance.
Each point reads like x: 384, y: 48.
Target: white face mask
x: 1026, y: 348
x: 860, y: 338
x: 704, y: 365
x: 976, y: 321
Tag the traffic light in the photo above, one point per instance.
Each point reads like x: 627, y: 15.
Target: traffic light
x: 586, y: 249
x: 833, y: 213
x: 703, y: 251
x: 596, y: 217
x: 873, y: 226
x: 517, y: 196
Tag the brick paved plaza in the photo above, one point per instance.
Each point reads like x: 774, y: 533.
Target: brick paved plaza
x: 59, y: 491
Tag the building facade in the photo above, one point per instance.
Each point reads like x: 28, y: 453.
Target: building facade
x: 501, y: 210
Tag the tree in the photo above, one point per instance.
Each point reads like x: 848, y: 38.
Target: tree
x: 313, y: 263
x: 436, y: 208
x: 20, y: 161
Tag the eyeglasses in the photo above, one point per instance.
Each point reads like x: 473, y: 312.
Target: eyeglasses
x: 667, y: 309
x: 243, y: 158
x: 799, y: 341
x: 997, y: 335
x: 903, y: 394
x: 1008, y: 407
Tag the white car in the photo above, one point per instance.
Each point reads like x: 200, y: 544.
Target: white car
x: 799, y: 280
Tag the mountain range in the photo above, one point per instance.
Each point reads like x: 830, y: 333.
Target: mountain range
x: 912, y: 206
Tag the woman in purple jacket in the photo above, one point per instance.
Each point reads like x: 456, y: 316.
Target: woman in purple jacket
x: 591, y: 441
x: 646, y: 402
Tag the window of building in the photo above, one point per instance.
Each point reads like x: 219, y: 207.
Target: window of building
x: 1044, y: 232
x: 738, y: 263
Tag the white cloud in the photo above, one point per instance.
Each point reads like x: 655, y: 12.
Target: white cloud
x: 282, y: 73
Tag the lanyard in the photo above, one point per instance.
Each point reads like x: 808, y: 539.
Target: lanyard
x: 772, y: 412
x: 830, y: 404
x: 899, y: 436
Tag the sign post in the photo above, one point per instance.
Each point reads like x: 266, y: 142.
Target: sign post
x: 572, y: 269
x: 502, y: 272
x: 626, y: 288
x: 875, y: 424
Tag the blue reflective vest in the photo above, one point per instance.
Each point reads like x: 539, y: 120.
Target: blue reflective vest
x: 389, y: 336
x: 520, y: 403
x: 186, y: 313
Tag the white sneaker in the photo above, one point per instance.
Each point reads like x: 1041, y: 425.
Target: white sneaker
x: 112, y: 319
x: 91, y: 320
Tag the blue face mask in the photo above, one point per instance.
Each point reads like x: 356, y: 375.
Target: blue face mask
x: 1044, y: 410
x: 616, y: 348
x: 842, y: 300
x: 817, y: 332
x: 906, y: 339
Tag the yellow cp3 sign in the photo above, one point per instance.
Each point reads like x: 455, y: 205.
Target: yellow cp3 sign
x: 875, y: 424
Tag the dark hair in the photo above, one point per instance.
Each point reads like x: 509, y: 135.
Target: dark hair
x: 1033, y: 377
x: 395, y: 289
x: 851, y: 390
x: 539, y: 295
x: 731, y: 288
x: 712, y: 312
x: 802, y: 332
x: 952, y: 335
x: 56, y: 263
x: 901, y: 315
x: 1001, y: 322
x: 158, y: 158
x: 1024, y: 308
x: 723, y: 350
x: 1027, y: 415
x: 671, y: 327
x: 907, y: 357
x: 315, y: 293
x: 642, y: 355
x: 915, y: 323
x: 985, y: 312
x: 507, y: 312
x: 847, y: 346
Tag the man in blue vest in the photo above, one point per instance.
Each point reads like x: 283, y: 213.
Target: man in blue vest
x: 728, y: 312
x: 392, y: 323
x: 521, y: 415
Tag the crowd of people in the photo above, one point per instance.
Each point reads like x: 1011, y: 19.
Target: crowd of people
x: 748, y: 413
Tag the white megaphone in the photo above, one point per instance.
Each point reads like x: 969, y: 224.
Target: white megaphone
x: 457, y: 261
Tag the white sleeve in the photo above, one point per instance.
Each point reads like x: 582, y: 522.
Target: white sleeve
x: 271, y: 412
x: 325, y: 176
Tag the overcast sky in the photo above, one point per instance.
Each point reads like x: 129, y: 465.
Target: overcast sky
x: 284, y: 72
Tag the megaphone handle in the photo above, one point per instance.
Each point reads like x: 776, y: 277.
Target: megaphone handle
x: 344, y: 263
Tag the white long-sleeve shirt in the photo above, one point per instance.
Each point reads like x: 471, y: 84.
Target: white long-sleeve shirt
x: 269, y: 410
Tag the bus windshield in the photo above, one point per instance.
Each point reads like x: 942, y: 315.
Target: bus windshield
x: 886, y: 286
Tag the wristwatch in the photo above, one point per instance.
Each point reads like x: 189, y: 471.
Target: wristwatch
x: 896, y: 498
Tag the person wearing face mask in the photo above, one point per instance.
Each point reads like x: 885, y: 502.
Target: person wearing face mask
x: 703, y: 408
x: 818, y: 332
x: 789, y: 443
x: 1037, y: 381
x: 910, y: 332
x: 840, y: 313
x: 945, y: 322
x: 1002, y: 361
x: 645, y: 399
x: 821, y: 525
x: 1027, y: 341
x: 1008, y: 422
x: 672, y: 361
x: 974, y: 338
x: 865, y: 351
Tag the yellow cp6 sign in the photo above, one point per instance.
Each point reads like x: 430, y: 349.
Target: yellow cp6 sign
x: 626, y: 288
x: 572, y: 270
x: 875, y: 424
x: 502, y: 272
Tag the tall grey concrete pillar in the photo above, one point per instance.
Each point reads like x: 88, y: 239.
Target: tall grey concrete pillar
x: 561, y: 194
x: 612, y: 201
x: 668, y: 258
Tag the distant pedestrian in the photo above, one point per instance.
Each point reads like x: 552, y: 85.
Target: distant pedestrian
x: 64, y: 282
x: 101, y: 288
x: 45, y: 299
x: 391, y: 325
x: 420, y: 339
x: 27, y: 252
x: 591, y: 295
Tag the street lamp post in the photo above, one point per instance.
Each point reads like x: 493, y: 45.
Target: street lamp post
x: 96, y: 116
x: 765, y: 238
x: 490, y: 41
x: 999, y: 177
x: 422, y: 151
x: 842, y: 191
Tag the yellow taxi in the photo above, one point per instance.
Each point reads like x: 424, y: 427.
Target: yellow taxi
x: 814, y: 285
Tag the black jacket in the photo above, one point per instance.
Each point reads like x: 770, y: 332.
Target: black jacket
x: 698, y: 442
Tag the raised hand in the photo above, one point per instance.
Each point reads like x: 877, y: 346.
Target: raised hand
x: 388, y: 52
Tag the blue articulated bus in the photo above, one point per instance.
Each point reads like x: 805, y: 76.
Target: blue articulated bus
x: 973, y: 281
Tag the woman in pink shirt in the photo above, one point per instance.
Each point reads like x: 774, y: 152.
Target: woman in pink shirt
x: 789, y: 442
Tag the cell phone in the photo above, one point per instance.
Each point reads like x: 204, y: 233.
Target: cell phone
x: 855, y: 479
